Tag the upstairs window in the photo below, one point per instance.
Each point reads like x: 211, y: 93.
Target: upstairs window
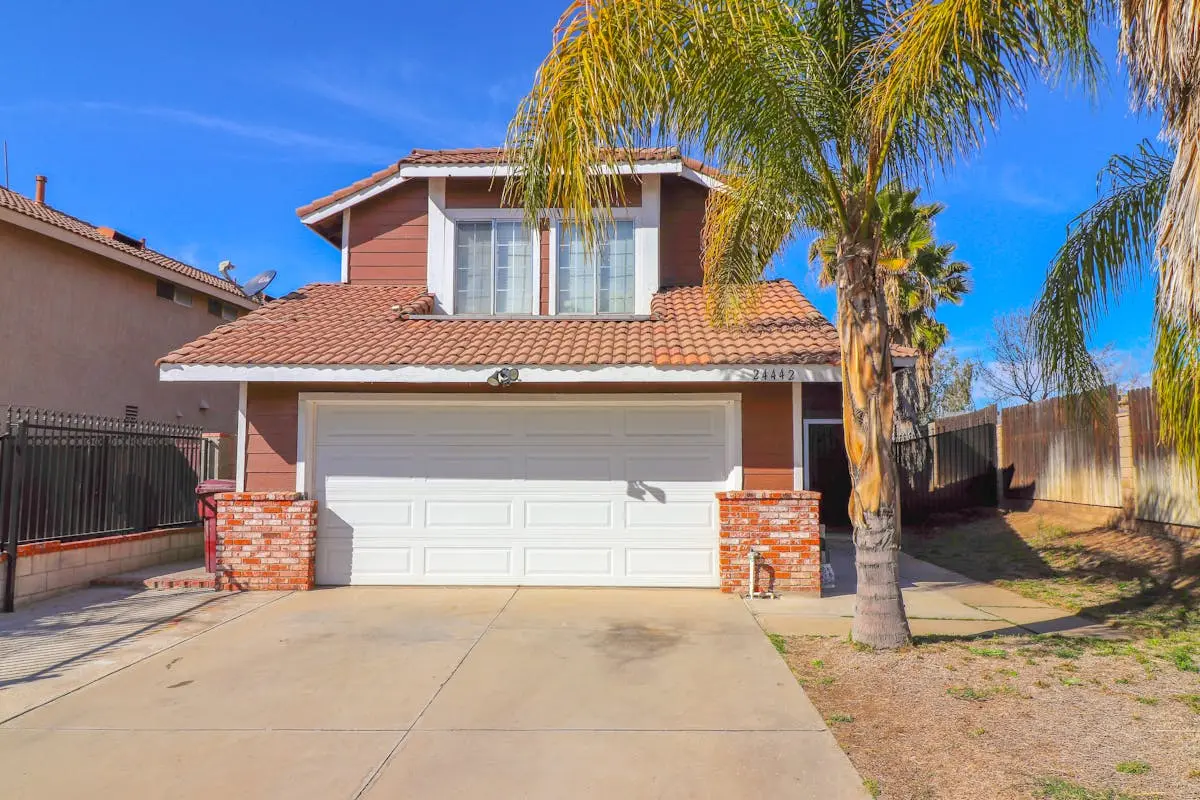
x: 169, y: 291
x: 494, y: 268
x: 600, y: 282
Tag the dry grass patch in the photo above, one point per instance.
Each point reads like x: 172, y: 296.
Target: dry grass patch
x: 1026, y: 717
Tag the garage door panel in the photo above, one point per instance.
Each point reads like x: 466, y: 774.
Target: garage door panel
x: 567, y: 514
x: 568, y: 562
x: 572, y: 423
x: 595, y: 494
x: 460, y: 513
x: 673, y: 423
x: 467, y: 560
x: 669, y: 562
x: 353, y: 513
x: 696, y: 513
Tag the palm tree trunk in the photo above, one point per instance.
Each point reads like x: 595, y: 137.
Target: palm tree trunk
x: 867, y: 415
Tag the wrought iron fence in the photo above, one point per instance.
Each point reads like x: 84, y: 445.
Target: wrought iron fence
x: 72, y: 476
x: 947, y: 470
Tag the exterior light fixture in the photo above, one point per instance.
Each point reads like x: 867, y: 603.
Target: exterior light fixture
x: 505, y: 376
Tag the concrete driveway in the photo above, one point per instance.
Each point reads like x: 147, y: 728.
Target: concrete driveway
x: 397, y: 693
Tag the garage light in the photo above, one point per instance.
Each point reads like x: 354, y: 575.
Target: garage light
x: 505, y: 376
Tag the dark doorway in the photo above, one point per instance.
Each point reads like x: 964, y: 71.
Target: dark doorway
x: 829, y: 472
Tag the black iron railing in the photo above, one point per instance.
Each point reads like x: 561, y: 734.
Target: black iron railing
x: 72, y: 476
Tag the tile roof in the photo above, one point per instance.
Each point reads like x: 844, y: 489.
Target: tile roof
x: 50, y: 215
x: 355, y: 324
x: 482, y: 155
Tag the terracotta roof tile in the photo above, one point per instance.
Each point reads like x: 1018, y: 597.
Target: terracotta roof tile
x: 48, y: 214
x: 354, y: 324
x: 480, y: 155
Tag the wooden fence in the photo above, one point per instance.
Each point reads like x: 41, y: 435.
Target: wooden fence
x: 1163, y: 490
x: 1052, y: 450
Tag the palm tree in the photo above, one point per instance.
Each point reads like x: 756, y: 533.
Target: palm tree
x: 916, y: 274
x: 1111, y: 246
x: 790, y: 101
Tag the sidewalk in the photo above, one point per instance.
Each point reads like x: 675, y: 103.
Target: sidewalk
x: 938, y: 602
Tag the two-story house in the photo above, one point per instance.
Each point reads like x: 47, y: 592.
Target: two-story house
x: 482, y: 402
x: 86, y: 310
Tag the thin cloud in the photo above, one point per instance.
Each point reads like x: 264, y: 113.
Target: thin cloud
x: 1015, y: 187
x: 313, y: 145
x: 323, y: 146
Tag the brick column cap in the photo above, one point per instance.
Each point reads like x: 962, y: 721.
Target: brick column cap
x: 769, y: 494
x: 250, y: 497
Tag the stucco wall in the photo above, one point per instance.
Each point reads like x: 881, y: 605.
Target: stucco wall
x: 81, y: 333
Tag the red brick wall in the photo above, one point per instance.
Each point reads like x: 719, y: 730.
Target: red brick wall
x: 266, y: 540
x: 785, y: 526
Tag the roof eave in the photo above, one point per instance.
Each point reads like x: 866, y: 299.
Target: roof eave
x: 416, y: 171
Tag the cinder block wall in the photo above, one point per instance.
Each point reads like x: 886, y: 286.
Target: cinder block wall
x: 48, y: 568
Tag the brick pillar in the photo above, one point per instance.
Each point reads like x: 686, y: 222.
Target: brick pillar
x: 1125, y: 461
x: 266, y: 540
x: 783, y: 527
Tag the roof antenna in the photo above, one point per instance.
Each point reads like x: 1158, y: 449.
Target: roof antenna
x: 226, y: 267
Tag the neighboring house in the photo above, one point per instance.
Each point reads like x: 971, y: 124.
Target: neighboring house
x: 86, y: 311
x: 601, y: 465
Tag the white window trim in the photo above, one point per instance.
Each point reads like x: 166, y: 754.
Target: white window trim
x: 798, y: 430
x: 645, y: 219
x: 240, y: 477
x: 308, y: 402
x: 346, y: 246
x: 442, y: 221
x: 456, y: 215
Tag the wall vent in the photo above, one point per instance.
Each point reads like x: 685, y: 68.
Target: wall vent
x: 131, y: 413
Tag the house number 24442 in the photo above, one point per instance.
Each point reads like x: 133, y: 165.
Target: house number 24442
x: 775, y: 374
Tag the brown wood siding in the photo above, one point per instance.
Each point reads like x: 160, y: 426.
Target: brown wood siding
x: 487, y: 193
x: 271, y: 420
x: 544, y: 269
x: 271, y: 413
x: 821, y: 401
x: 767, y: 437
x: 389, y: 236
x: 681, y: 244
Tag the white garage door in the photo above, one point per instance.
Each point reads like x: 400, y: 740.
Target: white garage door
x: 582, y: 491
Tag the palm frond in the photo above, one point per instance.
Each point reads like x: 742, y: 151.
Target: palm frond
x: 946, y: 69
x: 1176, y: 382
x: 1108, y: 247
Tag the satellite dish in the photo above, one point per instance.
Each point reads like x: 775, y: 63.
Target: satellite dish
x: 258, y: 284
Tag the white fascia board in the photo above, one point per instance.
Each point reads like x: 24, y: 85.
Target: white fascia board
x: 702, y: 179
x: 492, y: 171
x: 505, y: 170
x: 630, y: 373
x: 121, y: 257
x: 365, y: 193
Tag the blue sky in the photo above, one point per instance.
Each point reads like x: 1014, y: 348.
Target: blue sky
x: 203, y: 127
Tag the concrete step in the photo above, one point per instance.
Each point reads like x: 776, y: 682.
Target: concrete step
x: 179, y: 575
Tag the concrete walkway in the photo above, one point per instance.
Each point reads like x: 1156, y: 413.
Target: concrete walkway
x: 428, y: 692
x: 938, y: 601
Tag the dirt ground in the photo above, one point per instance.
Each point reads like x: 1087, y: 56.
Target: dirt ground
x: 1030, y: 717
x: 1003, y: 718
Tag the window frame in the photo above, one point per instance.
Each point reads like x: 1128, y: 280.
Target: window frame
x: 457, y: 217
x: 626, y: 214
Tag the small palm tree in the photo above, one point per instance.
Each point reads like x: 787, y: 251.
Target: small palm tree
x: 791, y: 102
x: 916, y: 274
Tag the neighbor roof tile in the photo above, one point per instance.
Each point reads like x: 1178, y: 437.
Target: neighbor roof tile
x: 50, y: 215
